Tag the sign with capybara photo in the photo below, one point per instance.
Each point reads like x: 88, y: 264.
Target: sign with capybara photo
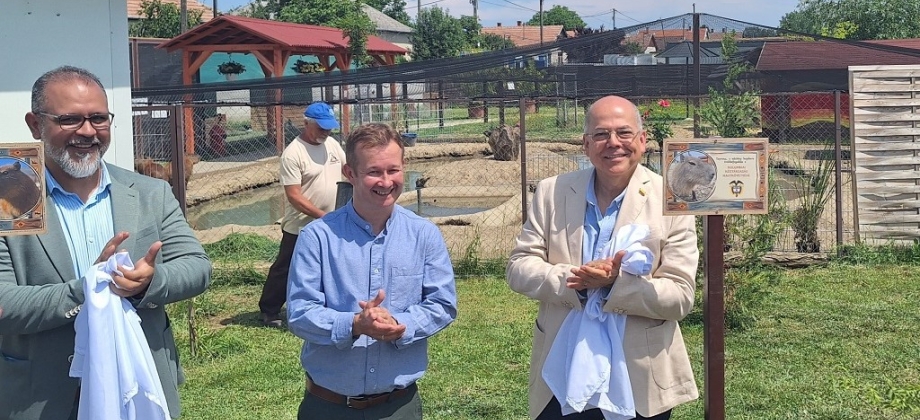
x: 715, y: 176
x: 22, y: 186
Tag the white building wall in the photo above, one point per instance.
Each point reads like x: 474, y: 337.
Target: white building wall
x: 37, y: 36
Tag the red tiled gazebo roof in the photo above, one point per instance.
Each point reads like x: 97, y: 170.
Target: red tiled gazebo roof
x: 272, y: 43
x: 229, y: 30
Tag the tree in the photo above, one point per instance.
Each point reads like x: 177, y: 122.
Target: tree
x: 633, y: 48
x: 345, y: 15
x: 757, y: 32
x: 492, y: 42
x: 266, y: 9
x: 559, y: 15
x: 395, y: 9
x: 855, y: 19
x: 471, y: 32
x: 731, y: 114
x: 162, y: 20
x: 357, y: 27
x: 436, y: 35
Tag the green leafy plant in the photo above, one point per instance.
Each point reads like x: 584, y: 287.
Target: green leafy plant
x: 815, y: 189
x: 231, y: 67
x: 731, y: 114
x: 658, y: 120
x: 755, y: 235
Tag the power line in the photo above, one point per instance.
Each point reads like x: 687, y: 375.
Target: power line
x: 518, y: 5
x: 627, y: 17
x: 426, y: 4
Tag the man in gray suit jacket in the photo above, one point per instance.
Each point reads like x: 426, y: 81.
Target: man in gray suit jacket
x: 92, y: 210
x: 553, y: 263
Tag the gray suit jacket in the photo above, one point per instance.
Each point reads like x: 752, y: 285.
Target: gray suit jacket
x: 550, y: 245
x: 40, y: 298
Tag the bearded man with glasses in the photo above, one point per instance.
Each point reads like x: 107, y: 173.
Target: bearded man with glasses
x: 93, y: 210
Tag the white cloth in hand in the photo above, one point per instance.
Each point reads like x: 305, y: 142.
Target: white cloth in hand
x: 586, y: 366
x: 118, y: 378
x: 638, y: 259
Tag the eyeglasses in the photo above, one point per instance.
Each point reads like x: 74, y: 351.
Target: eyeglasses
x: 624, y: 136
x: 75, y: 121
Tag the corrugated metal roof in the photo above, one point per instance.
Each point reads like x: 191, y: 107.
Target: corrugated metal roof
x: 825, y: 55
x: 228, y: 29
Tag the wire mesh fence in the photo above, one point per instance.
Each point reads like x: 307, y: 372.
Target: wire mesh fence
x: 466, y: 159
x: 484, y: 129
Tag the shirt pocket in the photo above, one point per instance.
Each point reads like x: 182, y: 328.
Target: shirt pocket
x: 405, y: 288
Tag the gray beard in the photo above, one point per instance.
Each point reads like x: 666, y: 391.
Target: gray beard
x: 79, y: 166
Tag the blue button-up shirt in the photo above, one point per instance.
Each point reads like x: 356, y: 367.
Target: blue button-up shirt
x: 598, y: 225
x: 87, y: 226
x: 338, y: 262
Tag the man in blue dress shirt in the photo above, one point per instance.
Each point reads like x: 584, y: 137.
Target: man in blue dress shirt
x: 368, y: 284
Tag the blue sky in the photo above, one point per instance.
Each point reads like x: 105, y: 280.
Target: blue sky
x: 598, y: 12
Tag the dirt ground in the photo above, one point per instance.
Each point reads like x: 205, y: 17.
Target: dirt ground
x: 464, y: 182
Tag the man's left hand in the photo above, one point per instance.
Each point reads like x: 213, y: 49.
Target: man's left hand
x: 596, y: 274
x: 134, y: 282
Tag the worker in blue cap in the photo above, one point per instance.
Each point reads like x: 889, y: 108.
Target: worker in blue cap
x: 311, y: 167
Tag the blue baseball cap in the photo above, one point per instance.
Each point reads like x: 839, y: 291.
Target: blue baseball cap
x: 322, y: 113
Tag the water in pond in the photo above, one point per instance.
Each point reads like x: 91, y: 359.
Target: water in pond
x: 265, y: 205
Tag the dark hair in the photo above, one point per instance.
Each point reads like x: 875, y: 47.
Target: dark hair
x: 368, y: 136
x: 62, y: 73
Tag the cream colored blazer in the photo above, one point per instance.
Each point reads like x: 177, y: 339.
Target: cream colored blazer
x: 550, y: 245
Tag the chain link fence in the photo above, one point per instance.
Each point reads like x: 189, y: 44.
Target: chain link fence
x: 466, y: 156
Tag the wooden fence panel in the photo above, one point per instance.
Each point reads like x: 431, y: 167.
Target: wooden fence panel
x: 885, y: 113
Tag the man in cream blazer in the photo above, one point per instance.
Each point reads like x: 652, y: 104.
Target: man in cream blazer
x: 547, y: 264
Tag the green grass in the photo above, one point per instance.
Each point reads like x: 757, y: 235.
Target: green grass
x: 541, y: 125
x: 839, y: 342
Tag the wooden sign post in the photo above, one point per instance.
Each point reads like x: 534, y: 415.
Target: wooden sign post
x: 715, y: 177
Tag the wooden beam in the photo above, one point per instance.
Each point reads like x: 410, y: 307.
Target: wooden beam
x: 189, y: 124
x: 381, y: 61
x: 341, y: 61
x: 267, y: 63
x: 278, y: 121
x: 324, y: 60
x: 230, y: 47
x: 285, y: 57
x: 198, y: 59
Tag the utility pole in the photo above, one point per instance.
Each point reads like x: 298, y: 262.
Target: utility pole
x: 475, y: 10
x: 614, y: 18
x: 418, y: 11
x: 183, y: 16
x: 214, y: 9
x: 541, y: 23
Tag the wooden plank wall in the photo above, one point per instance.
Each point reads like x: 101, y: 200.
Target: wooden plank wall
x: 885, y: 116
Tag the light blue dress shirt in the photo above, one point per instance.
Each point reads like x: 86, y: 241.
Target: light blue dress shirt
x: 87, y: 226
x: 337, y: 262
x: 598, y: 226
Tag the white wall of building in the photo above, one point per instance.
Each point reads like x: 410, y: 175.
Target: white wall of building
x: 39, y: 35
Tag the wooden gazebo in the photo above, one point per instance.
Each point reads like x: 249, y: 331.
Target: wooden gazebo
x: 272, y: 43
